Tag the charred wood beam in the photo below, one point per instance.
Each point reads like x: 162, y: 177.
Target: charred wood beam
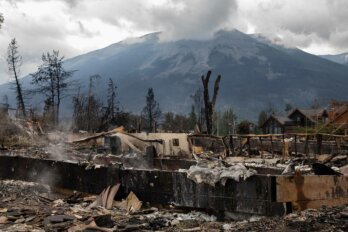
x: 252, y: 196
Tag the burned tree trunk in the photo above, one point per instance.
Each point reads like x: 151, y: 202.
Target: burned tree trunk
x: 210, y: 104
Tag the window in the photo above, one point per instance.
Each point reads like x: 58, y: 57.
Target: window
x: 176, y: 142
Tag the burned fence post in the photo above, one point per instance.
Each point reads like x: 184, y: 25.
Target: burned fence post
x: 306, y: 150
x: 319, y: 143
x: 231, y: 144
x: 248, y: 144
x: 261, y: 146
x: 272, y: 146
x: 295, y: 144
x: 240, y: 145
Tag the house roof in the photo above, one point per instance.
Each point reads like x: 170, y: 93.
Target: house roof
x: 282, y: 120
x: 339, y: 112
x: 311, y: 114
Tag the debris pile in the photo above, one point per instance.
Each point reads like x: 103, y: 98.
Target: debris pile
x: 212, y: 172
x: 26, y: 206
x: 32, y: 207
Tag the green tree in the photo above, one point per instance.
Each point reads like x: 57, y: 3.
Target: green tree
x: 288, y: 108
x: 198, y: 102
x: 228, y: 120
x: 169, y: 124
x: 192, y: 120
x: 262, y: 118
x: 151, y: 112
x: 14, y: 61
x: 244, y: 127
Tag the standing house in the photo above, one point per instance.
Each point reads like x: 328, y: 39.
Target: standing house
x: 338, y: 118
x: 276, y: 125
x: 308, y: 117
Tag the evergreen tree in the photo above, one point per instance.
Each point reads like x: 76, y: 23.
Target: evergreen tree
x: 288, y: 108
x: 151, y: 112
x: 199, y: 107
x: 262, y: 118
x: 192, y: 121
x: 112, y: 101
x: 228, y: 121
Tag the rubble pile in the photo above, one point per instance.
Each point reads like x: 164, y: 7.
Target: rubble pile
x: 27, y: 206
x: 213, y: 172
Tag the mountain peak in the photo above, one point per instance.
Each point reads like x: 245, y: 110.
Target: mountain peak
x: 254, y: 73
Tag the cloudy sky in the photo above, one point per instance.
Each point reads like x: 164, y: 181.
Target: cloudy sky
x: 78, y: 26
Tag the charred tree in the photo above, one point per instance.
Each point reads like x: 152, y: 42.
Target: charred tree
x: 92, y: 102
x: 14, y: 61
x: 111, y: 112
x: 53, y: 81
x: 210, y: 104
x: 151, y: 112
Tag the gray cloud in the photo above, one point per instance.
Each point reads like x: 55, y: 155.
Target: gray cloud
x: 77, y: 26
x: 301, y: 23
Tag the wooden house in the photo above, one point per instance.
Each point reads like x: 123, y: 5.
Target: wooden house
x: 276, y: 125
x: 308, y: 117
x: 339, y: 118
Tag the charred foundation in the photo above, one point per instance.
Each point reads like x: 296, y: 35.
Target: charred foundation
x: 268, y: 195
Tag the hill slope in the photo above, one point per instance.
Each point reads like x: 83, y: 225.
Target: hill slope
x: 340, y: 58
x: 254, y: 73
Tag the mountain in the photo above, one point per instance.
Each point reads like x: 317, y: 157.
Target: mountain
x: 255, y: 73
x: 340, y: 58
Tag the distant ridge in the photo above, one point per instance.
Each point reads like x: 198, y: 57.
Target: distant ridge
x: 254, y: 73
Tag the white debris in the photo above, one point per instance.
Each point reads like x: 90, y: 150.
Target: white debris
x: 215, y: 174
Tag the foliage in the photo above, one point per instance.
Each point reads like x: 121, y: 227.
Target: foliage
x: 192, y: 119
x: 177, y: 123
x: 224, y: 122
x: 244, y: 127
x: 262, y: 118
x: 288, y: 108
x: 198, y: 105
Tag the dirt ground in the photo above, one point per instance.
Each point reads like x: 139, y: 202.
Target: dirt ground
x: 26, y: 206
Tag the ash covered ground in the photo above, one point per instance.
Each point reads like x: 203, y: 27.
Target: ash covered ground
x: 26, y: 206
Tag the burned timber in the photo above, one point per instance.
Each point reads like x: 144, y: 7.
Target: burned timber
x: 157, y: 168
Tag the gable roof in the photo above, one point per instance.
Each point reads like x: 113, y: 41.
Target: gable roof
x: 282, y: 120
x: 339, y: 113
x: 310, y: 114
